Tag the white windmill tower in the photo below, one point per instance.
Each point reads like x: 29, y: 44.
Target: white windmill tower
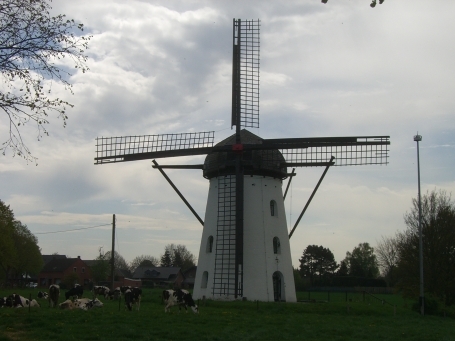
x: 245, y: 251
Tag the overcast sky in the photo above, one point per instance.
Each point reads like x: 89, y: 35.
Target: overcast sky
x: 335, y: 69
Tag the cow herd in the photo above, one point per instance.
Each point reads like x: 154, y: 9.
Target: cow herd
x: 74, y: 299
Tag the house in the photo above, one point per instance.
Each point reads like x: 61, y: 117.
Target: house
x: 159, y: 276
x: 58, y: 267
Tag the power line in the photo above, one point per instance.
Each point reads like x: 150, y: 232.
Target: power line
x: 82, y: 228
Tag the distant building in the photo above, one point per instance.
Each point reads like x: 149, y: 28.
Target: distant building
x: 160, y: 276
x: 57, y: 267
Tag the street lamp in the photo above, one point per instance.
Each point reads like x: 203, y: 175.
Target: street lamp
x: 418, y: 138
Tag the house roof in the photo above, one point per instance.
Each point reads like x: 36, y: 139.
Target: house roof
x: 48, y: 258
x: 158, y: 273
x: 58, y: 264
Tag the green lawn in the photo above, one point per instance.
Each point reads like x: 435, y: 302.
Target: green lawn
x: 338, y: 319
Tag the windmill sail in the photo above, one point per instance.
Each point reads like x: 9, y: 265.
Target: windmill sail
x: 141, y: 147
x: 245, y: 74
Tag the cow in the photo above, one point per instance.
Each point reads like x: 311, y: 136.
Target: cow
x: 133, y: 296
x: 179, y: 297
x: 54, y: 294
x: 43, y: 295
x: 125, y: 288
x: 2, y: 302
x: 75, y: 292
x: 18, y: 301
x: 87, y: 303
x: 100, y: 290
x: 68, y: 305
x: 114, y: 294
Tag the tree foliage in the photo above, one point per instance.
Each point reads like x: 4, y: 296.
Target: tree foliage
x: 362, y: 262
x: 100, y: 269
x: 143, y: 260
x: 317, y: 261
x: 19, y: 251
x: 119, y: 262
x: 177, y: 256
x: 438, y: 231
x: 36, y: 49
x: 387, y: 255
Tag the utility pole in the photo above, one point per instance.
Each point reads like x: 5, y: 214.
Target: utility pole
x: 418, y: 138
x: 112, y: 253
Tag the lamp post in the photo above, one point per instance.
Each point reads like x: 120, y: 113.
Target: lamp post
x: 418, y: 138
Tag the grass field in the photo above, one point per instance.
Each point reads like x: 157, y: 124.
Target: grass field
x: 356, y: 319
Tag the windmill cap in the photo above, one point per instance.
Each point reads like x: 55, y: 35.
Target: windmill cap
x: 255, y: 162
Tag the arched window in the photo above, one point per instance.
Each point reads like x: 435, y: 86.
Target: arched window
x: 276, y: 246
x: 205, y: 279
x: 273, y: 208
x: 209, y: 247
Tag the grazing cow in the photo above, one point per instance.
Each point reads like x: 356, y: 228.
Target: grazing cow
x: 43, y: 294
x: 17, y: 301
x: 100, y: 290
x: 2, y: 302
x: 133, y: 296
x: 114, y: 294
x: 75, y: 292
x: 54, y: 294
x: 87, y: 303
x: 179, y: 297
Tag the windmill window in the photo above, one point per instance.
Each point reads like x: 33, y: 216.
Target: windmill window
x: 74, y: 269
x: 205, y: 279
x: 273, y: 208
x: 209, y: 244
x: 276, y: 246
x: 83, y: 270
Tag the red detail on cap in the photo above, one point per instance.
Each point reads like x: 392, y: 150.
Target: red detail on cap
x: 237, y: 147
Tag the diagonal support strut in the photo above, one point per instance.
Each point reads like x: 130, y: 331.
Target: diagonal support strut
x: 157, y: 166
x: 331, y: 163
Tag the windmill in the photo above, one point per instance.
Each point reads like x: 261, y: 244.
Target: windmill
x: 245, y: 250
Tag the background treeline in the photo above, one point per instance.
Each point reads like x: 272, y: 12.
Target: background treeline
x: 394, y: 262
x: 20, y: 254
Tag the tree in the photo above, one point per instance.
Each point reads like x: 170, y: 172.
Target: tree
x: 33, y: 47
x: 143, y: 260
x: 178, y: 256
x: 362, y: 261
x: 119, y: 262
x: 317, y: 261
x: 19, y: 251
x: 438, y: 231
x: 100, y: 270
x: 387, y: 255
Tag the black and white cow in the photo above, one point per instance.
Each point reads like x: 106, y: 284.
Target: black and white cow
x: 87, y: 303
x: 100, y: 290
x: 18, y: 301
x: 2, y: 302
x: 133, y: 296
x: 125, y: 288
x: 43, y: 295
x: 54, y: 294
x: 115, y: 294
x: 68, y: 305
x: 179, y: 297
x: 75, y: 292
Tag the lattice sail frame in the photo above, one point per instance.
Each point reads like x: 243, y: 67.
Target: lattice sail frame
x: 246, y: 62
x: 115, y: 149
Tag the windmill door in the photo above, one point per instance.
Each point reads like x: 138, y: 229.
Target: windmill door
x: 277, y: 283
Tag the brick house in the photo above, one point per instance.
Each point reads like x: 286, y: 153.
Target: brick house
x: 57, y: 268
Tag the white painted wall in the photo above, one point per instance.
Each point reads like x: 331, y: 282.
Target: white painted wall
x: 260, y: 227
